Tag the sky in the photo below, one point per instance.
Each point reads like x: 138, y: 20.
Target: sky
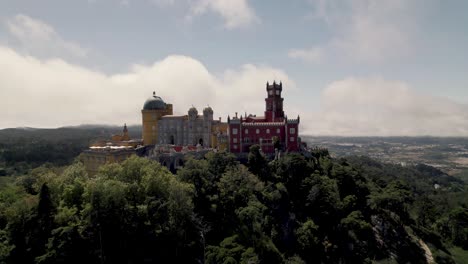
x: 348, y: 67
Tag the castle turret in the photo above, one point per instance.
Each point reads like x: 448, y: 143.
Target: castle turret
x: 125, y: 133
x: 208, y: 114
x: 153, y: 109
x: 192, y: 113
x: 274, y: 102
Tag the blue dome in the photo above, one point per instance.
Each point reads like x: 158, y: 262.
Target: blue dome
x: 154, y: 103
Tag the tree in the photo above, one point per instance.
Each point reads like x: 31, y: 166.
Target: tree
x: 257, y: 163
x: 45, y: 218
x: 308, y: 241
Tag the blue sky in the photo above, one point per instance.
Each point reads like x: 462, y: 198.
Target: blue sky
x: 390, y: 62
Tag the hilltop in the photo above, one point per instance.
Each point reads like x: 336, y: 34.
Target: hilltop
x: 293, y: 210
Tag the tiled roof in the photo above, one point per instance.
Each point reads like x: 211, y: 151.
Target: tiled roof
x: 264, y: 124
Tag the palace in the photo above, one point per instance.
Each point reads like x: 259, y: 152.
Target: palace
x: 160, y: 126
x: 167, y: 137
x: 273, y: 131
x: 119, y: 148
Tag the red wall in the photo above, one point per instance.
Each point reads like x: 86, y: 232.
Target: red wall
x: 252, y: 137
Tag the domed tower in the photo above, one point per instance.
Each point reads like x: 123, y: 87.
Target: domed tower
x: 153, y: 109
x: 208, y: 114
x: 192, y: 113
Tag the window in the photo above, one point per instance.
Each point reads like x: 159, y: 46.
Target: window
x: 234, y: 140
x: 270, y: 92
x: 292, y: 130
x: 235, y: 146
x: 257, y: 131
x: 268, y: 131
x: 277, y: 92
x: 246, y: 131
x: 154, y: 128
x: 277, y: 131
x: 234, y: 131
x: 291, y: 139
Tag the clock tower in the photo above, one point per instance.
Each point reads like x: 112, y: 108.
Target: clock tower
x: 274, y: 102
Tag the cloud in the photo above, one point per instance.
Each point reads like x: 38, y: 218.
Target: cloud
x: 36, y: 37
x: 375, y: 106
x: 52, y: 92
x: 368, y: 30
x: 314, y: 54
x: 236, y: 13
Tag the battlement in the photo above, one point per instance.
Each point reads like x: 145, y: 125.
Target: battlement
x: 274, y: 86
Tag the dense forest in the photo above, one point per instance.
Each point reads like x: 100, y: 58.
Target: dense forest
x: 307, y: 208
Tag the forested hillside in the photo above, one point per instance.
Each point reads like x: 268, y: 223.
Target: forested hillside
x: 299, y: 209
x: 22, y: 149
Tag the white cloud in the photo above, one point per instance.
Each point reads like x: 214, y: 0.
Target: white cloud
x: 236, y: 13
x: 370, y: 30
x: 50, y: 93
x: 314, y: 54
x: 40, y: 39
x: 375, y: 106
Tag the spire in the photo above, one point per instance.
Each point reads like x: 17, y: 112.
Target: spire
x: 125, y: 133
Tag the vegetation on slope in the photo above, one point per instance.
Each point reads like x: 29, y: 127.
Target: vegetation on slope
x: 299, y: 209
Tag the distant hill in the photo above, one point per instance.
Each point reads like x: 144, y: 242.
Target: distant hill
x: 24, y: 148
x: 81, y: 132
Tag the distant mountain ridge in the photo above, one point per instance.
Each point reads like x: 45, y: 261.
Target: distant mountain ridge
x: 22, y: 149
x: 79, y: 132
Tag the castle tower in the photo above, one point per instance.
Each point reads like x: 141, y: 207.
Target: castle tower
x: 153, y: 109
x: 207, y: 124
x: 208, y: 114
x: 125, y: 135
x: 274, y: 103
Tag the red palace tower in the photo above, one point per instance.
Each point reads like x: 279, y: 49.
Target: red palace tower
x: 271, y: 131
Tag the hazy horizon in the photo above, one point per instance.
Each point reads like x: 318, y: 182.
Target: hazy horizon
x: 302, y: 135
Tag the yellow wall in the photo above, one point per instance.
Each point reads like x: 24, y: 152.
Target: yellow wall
x: 215, y: 130
x: 150, y: 120
x: 92, y: 160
